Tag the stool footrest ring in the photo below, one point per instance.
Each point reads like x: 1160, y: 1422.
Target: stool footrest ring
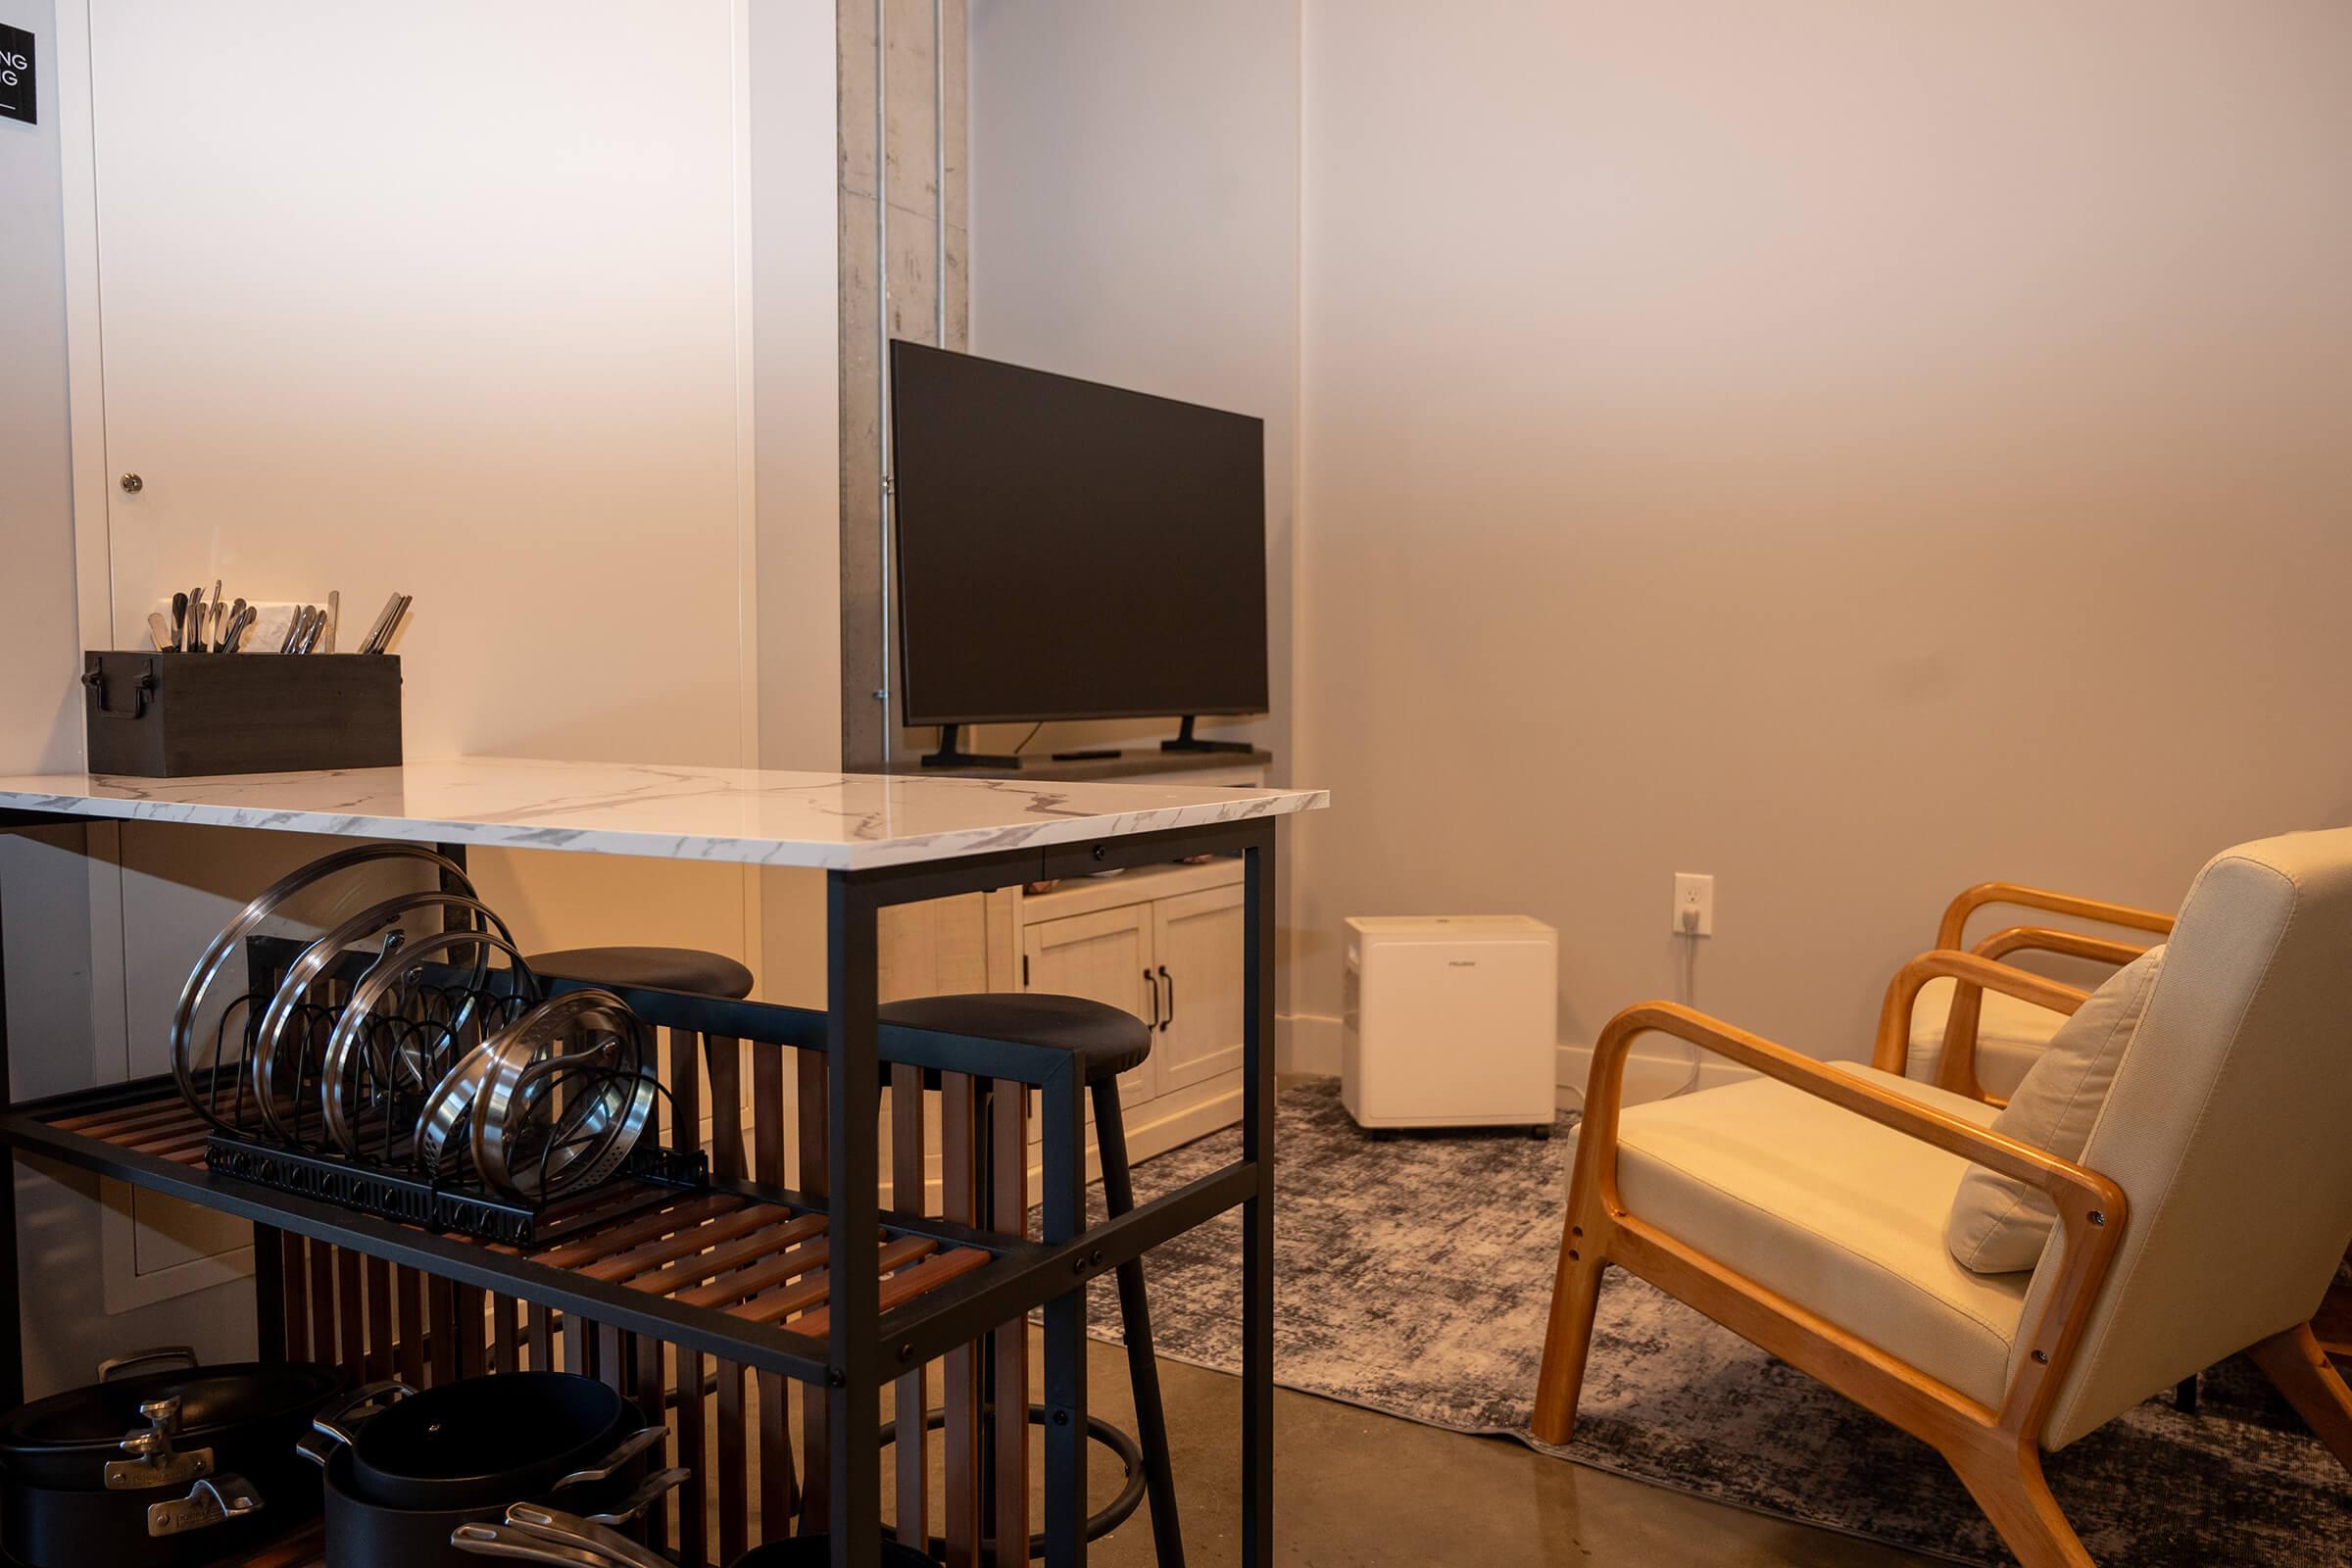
x: 1098, y: 1524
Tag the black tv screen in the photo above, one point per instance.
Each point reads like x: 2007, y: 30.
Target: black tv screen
x: 1068, y: 550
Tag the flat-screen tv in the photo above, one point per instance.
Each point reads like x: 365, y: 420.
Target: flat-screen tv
x: 1068, y: 550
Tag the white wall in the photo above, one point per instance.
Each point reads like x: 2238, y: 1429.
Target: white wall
x: 1134, y: 200
x: 40, y: 706
x: 1852, y: 452
x: 797, y: 450
x: 508, y: 353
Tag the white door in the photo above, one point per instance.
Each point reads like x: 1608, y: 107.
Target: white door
x: 1197, y: 942
x: 437, y: 296
x: 1105, y: 956
x: 442, y: 298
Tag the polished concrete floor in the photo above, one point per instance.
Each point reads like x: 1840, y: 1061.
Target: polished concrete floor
x: 1353, y: 1488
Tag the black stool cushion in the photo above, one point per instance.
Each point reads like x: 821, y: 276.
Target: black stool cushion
x: 688, y: 970
x: 1108, y: 1039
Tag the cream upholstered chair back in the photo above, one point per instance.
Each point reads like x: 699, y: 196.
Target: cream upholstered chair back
x: 2228, y: 1129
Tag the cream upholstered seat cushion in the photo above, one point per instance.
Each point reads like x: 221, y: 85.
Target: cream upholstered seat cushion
x: 2011, y: 1036
x: 1998, y: 1223
x: 1831, y: 1210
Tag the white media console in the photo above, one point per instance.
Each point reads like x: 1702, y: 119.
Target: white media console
x: 1164, y: 943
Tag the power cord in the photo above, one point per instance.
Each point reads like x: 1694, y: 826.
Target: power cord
x: 1687, y: 986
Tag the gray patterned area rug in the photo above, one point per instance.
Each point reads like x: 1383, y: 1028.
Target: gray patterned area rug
x: 1413, y: 1277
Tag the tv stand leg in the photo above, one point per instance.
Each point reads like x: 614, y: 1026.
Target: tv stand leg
x: 1185, y: 741
x: 949, y: 757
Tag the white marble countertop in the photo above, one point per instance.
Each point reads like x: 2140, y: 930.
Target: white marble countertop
x: 844, y: 821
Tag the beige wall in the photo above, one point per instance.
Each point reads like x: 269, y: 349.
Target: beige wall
x: 1135, y: 201
x: 1851, y: 451
x: 797, y: 455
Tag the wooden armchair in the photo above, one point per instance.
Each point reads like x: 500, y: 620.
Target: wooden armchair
x: 1959, y: 1037
x: 1805, y: 1208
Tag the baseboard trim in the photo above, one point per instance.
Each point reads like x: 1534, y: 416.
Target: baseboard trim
x: 1308, y: 1042
x: 1654, y: 1070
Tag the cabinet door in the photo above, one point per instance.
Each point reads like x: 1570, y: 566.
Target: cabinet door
x: 1197, y: 942
x: 933, y: 949
x: 1105, y: 956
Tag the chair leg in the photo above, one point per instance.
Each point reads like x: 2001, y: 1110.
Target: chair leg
x: 1575, y: 1295
x: 2008, y: 1484
x: 1134, y: 1318
x: 2294, y: 1362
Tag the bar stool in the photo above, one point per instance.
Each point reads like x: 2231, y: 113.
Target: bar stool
x: 687, y: 969
x: 1107, y: 1041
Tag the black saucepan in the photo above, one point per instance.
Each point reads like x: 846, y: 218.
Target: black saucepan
x: 478, y: 1440
x: 364, y: 1533
x: 165, y: 1467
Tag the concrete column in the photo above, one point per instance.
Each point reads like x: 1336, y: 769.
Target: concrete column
x: 910, y: 53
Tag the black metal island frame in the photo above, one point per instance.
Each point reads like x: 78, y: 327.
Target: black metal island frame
x: 757, y: 1274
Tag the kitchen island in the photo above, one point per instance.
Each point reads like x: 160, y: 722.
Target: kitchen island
x: 880, y: 842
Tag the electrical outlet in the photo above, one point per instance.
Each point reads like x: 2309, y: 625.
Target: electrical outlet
x: 1693, y: 897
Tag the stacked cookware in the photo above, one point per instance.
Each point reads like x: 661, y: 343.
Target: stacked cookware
x: 179, y: 1464
x: 548, y: 1536
x: 185, y: 1464
x: 404, y: 1471
x: 405, y: 1033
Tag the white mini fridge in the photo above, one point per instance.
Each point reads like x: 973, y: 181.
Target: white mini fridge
x: 1450, y: 1021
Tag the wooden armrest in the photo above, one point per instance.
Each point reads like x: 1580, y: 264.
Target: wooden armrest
x: 2090, y: 1207
x: 1975, y: 976
x: 2070, y: 944
x: 1950, y: 934
x: 1956, y: 1068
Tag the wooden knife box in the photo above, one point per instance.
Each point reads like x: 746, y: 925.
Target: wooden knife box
x: 181, y: 715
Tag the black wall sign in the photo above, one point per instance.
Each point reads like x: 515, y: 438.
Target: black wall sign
x: 16, y: 74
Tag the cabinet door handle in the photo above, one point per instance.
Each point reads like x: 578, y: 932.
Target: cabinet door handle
x: 1155, y: 985
x: 1171, y: 983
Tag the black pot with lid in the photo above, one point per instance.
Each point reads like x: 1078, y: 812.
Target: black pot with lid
x: 183, y: 1463
x: 481, y: 1439
x: 403, y: 1470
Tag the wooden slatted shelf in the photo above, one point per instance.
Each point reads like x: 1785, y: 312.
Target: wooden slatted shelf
x: 751, y: 1261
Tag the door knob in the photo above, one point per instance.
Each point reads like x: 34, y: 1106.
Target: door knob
x: 133, y: 484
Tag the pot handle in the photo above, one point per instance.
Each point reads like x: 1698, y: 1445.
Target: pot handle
x: 653, y: 1490
x: 212, y: 1501
x: 183, y: 1356
x: 581, y: 1535
x: 332, y: 1428
x: 521, y: 1546
x: 629, y: 1447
